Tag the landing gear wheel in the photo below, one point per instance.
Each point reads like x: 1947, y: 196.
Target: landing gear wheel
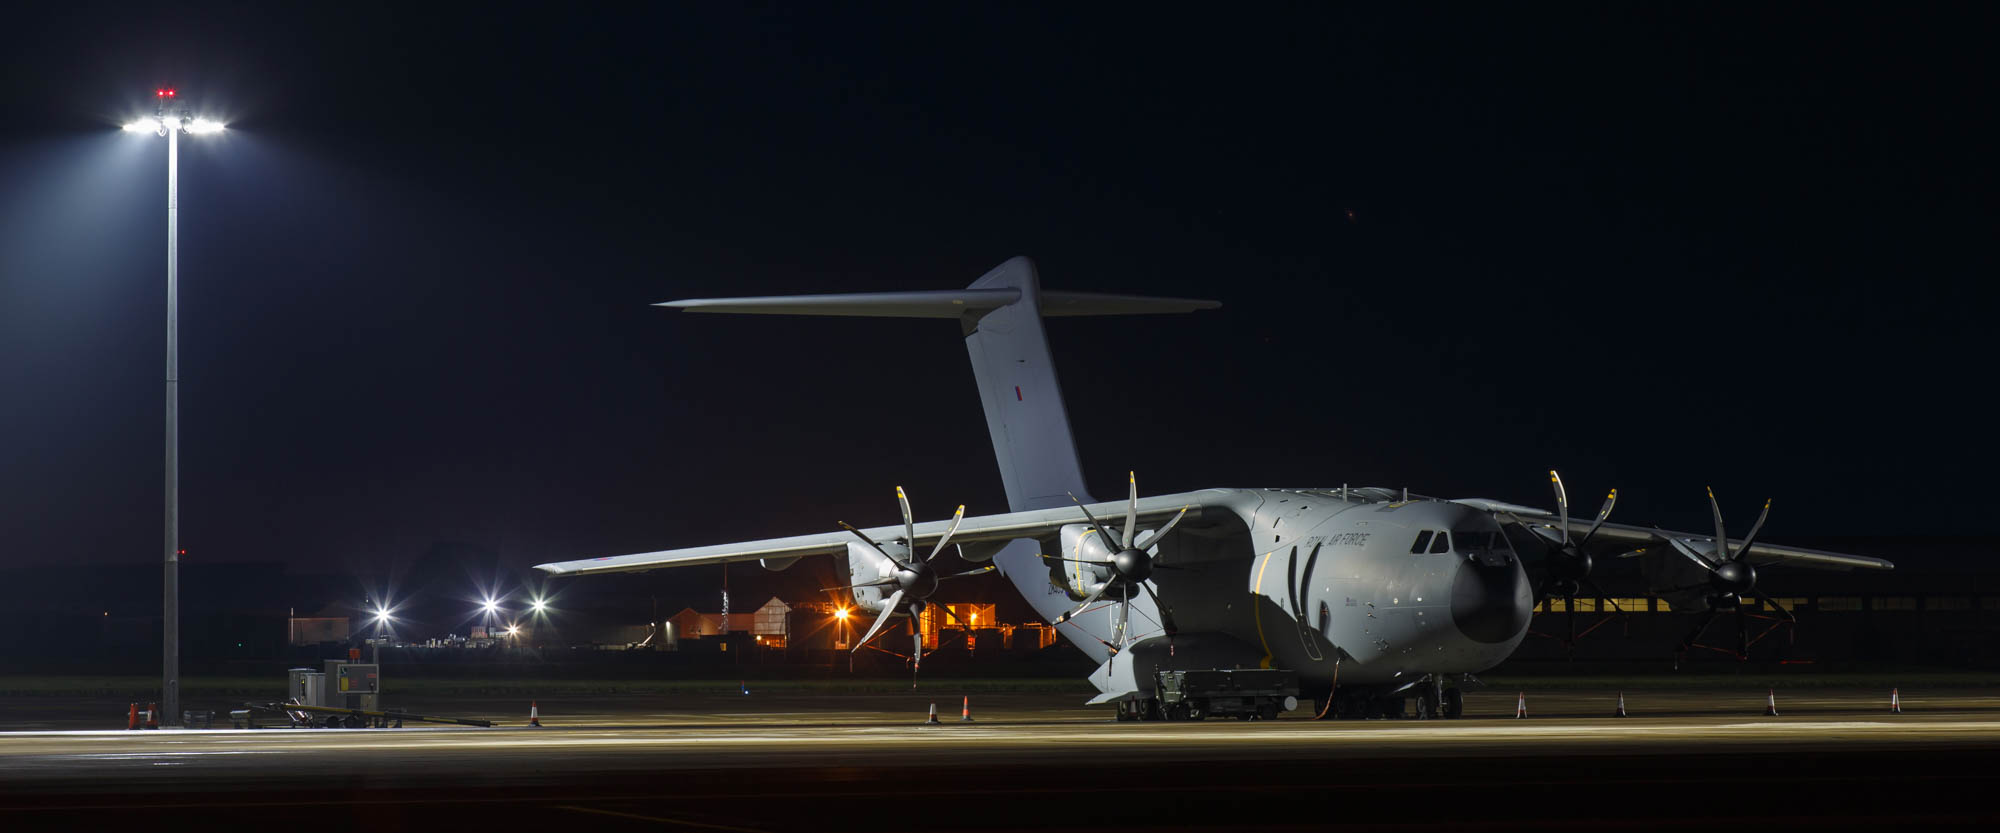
x: 1268, y: 711
x: 1454, y: 704
x: 1427, y: 704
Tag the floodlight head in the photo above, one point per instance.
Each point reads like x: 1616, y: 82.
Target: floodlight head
x: 540, y: 605
x: 490, y: 606
x: 202, y: 127
x: 143, y: 126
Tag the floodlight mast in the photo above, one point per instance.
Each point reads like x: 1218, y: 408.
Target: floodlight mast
x: 171, y: 125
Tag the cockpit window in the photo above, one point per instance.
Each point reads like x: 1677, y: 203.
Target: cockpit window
x: 1440, y: 543
x: 1423, y: 542
x: 1472, y: 542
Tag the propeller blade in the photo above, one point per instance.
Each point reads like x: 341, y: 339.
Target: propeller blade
x: 1125, y: 619
x: 986, y: 569
x: 1086, y: 604
x: 1744, y: 551
x: 877, y: 583
x: 1131, y: 510
x: 1161, y: 533
x: 909, y: 523
x: 1047, y: 557
x: 916, y: 650
x: 1721, y: 535
x: 888, y: 609
x: 870, y: 541
x: 1562, y: 505
x: 1093, y: 519
x: 956, y: 517
x: 1610, y: 500
x: 1774, y: 605
x: 1166, y: 617
x: 1599, y: 592
x: 1688, y: 551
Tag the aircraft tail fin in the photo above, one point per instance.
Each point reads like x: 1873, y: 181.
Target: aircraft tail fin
x: 1001, y: 317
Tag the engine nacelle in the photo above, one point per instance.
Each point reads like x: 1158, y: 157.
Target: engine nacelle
x: 1080, y: 542
x: 980, y: 552
x: 864, y: 564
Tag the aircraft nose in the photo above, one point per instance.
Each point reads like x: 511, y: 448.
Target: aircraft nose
x: 1490, y: 600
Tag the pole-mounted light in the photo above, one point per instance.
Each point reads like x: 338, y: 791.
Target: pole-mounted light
x: 171, y: 120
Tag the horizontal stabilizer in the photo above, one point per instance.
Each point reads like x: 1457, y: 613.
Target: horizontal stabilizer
x: 943, y: 303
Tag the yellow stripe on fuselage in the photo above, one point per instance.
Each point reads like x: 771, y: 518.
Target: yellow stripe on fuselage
x: 1257, y: 610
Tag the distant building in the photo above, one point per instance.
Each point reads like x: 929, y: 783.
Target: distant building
x: 766, y: 624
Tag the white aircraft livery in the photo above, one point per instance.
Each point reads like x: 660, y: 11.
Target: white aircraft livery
x: 1370, y: 597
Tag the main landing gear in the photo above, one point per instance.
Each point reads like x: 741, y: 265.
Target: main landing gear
x: 1428, y: 700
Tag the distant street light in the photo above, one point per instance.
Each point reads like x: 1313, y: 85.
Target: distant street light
x: 170, y: 123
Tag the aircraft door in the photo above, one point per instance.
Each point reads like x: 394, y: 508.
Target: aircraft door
x: 1300, y: 590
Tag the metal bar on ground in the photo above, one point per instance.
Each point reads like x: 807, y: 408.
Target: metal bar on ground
x: 294, y: 707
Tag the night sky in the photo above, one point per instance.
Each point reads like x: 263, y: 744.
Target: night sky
x: 1656, y: 247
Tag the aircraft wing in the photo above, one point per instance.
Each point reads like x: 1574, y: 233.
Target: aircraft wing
x: 1037, y: 523
x: 1627, y: 541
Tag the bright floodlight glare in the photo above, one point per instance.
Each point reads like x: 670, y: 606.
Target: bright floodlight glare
x: 491, y: 606
x: 840, y: 613
x: 513, y: 629
x: 142, y: 126
x: 541, y: 605
x: 381, y: 615
x: 204, y: 126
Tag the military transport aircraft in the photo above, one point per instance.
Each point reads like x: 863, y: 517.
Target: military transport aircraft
x: 1381, y: 596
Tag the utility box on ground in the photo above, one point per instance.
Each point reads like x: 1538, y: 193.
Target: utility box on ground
x: 352, y: 685
x: 357, y: 678
x: 306, y: 686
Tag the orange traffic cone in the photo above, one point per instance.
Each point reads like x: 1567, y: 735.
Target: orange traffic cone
x: 1770, y: 702
x: 1521, y: 706
x: 965, y: 711
x: 152, y: 715
x: 1621, y: 706
x: 132, y: 717
x: 1895, y: 701
x: 534, y: 714
x: 933, y: 719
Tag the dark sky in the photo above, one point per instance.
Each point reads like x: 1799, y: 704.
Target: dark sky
x: 1657, y: 247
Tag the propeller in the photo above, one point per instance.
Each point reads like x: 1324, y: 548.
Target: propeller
x: 1131, y: 566
x: 1730, y: 574
x: 914, y: 580
x: 1567, y: 563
